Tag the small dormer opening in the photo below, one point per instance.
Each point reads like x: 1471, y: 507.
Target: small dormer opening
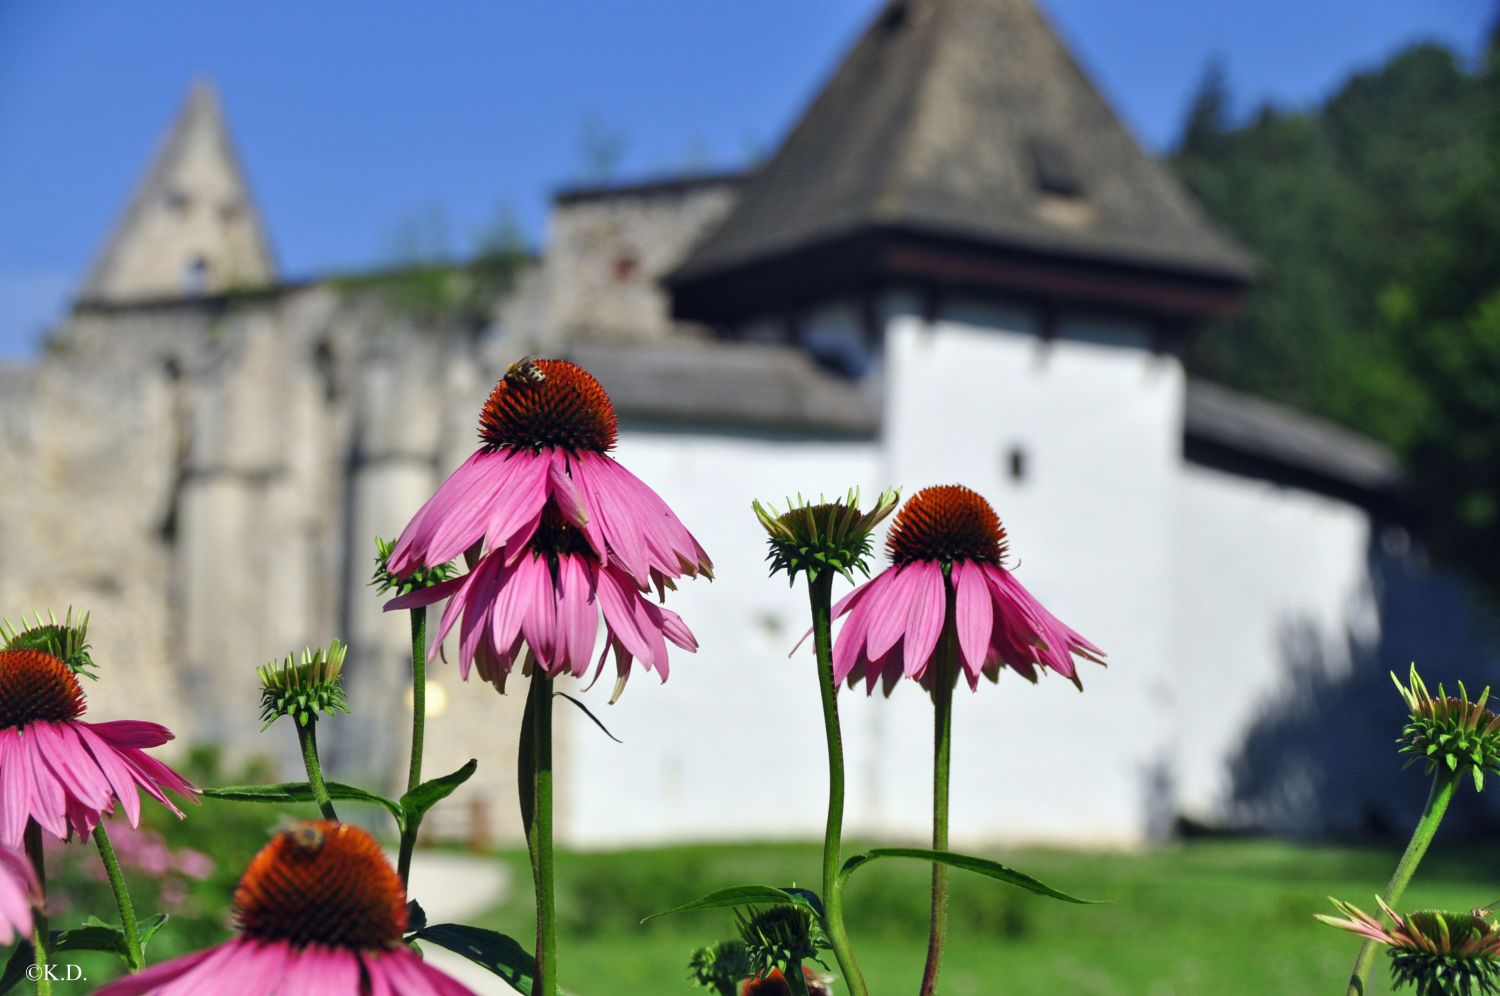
x: 625, y: 267
x: 177, y: 201
x: 195, y: 275
x: 893, y: 20
x: 229, y: 211
x: 1054, y: 170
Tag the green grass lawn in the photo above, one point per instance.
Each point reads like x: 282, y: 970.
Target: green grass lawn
x: 1221, y: 917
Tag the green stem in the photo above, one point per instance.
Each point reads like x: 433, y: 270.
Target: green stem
x: 40, y: 937
x: 418, y: 733
x: 122, y: 898
x: 307, y: 736
x: 418, y: 694
x: 820, y: 595
x: 1438, y: 798
x: 539, y: 832
x: 945, y: 663
x: 796, y: 982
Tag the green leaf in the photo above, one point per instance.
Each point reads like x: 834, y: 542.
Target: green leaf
x: 966, y: 862
x: 289, y: 792
x: 736, y: 895
x: 422, y: 798
x: 590, y: 715
x: 15, y: 969
x: 808, y: 898
x: 416, y: 916
x: 95, y: 935
x: 505, y: 956
x: 147, y: 929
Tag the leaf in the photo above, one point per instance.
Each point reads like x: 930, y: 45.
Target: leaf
x: 95, y: 935
x: 966, y: 862
x: 505, y: 956
x: 526, y: 761
x: 808, y: 898
x: 147, y: 929
x: 590, y: 715
x: 289, y: 792
x: 15, y: 969
x: 428, y: 794
x: 738, y: 895
x: 416, y: 916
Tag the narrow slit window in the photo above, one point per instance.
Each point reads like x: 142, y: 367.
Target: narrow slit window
x: 1015, y: 461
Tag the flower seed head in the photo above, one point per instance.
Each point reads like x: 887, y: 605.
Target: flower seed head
x: 68, y: 640
x: 822, y: 536
x: 303, y: 689
x: 1449, y: 733
x: 541, y: 404
x: 944, y: 524
x: 322, y: 883
x: 37, y: 687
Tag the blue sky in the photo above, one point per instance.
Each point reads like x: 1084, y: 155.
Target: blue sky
x: 359, y: 122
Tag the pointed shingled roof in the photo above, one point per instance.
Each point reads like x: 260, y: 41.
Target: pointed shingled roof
x: 968, y: 122
x: 191, y: 225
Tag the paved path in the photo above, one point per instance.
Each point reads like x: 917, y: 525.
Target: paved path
x: 452, y: 888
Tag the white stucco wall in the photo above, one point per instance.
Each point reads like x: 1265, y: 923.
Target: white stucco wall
x: 731, y: 746
x: 1097, y: 416
x: 1259, y: 566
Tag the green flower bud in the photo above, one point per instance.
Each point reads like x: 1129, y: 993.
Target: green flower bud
x: 68, y: 641
x: 1447, y: 733
x: 423, y: 577
x: 303, y: 689
x: 821, y: 536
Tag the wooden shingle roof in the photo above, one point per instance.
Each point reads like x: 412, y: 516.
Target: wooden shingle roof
x: 967, y: 121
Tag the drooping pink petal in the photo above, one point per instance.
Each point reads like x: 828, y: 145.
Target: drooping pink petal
x: 18, y: 894
x: 539, y: 611
x: 850, y: 643
x: 973, y: 615
x: 924, y: 623
x: 426, y: 596
x: 15, y: 792
x: 615, y: 594
x: 577, y: 611
x: 891, y: 612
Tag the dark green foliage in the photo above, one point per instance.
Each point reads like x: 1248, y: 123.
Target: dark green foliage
x: 1376, y: 217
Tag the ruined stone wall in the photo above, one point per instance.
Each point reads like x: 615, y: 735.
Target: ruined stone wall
x: 608, y: 250
x: 208, y: 480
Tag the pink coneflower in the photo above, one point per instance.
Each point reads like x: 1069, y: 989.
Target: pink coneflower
x: 18, y: 894
x: 947, y: 548
x: 62, y: 772
x: 319, y: 910
x: 546, y: 430
x: 559, y: 534
x: 1435, y: 951
x: 548, y: 598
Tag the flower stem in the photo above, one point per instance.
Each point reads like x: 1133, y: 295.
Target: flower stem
x: 796, y: 981
x: 418, y: 732
x: 307, y: 736
x: 945, y: 662
x: 134, y: 955
x: 820, y: 595
x: 40, y: 937
x: 539, y: 831
x: 1438, y: 798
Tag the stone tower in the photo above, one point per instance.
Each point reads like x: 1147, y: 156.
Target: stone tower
x: 191, y: 226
